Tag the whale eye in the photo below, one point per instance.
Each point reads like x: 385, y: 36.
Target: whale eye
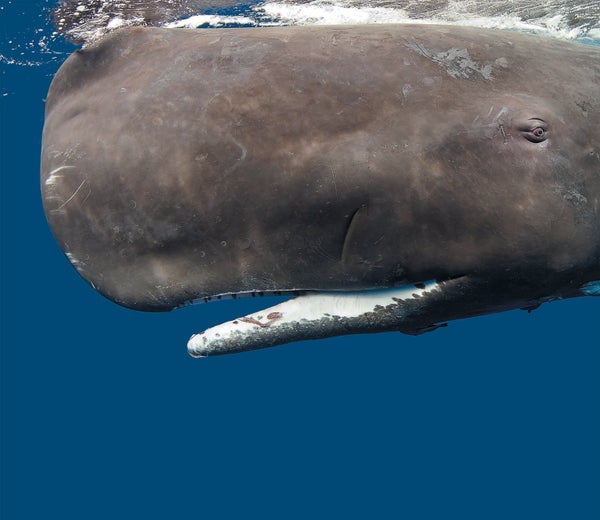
x: 535, y: 130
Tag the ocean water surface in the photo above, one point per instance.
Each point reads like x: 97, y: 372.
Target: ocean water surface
x: 104, y: 415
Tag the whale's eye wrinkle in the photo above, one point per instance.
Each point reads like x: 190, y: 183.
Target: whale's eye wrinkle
x: 534, y: 130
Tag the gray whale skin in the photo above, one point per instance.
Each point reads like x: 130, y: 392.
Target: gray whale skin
x: 394, y: 177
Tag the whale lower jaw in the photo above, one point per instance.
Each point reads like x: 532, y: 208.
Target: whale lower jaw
x: 411, y: 309
x: 313, y: 315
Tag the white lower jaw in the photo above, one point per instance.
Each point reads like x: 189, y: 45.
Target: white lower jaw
x: 309, y: 316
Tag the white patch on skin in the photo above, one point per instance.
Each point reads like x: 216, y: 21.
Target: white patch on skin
x: 312, y: 311
x: 429, y: 81
x: 54, y: 174
x: 76, y: 263
x: 591, y: 288
x: 456, y: 62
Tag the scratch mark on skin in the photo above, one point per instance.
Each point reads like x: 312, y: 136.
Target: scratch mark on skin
x: 242, y: 149
x: 240, y: 159
x: 334, y: 180
x: 500, y: 113
x: 51, y: 180
x: 347, y: 233
x: 87, y: 196
x: 379, y: 240
x: 503, y: 132
x: 72, y: 196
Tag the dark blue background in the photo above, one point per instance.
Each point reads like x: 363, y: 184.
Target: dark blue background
x: 106, y: 416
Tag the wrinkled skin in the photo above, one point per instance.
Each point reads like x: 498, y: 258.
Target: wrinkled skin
x: 178, y: 165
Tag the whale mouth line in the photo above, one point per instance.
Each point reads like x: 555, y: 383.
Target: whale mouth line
x: 311, y: 315
x: 254, y: 293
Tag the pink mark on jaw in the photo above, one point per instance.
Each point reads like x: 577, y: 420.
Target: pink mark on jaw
x: 271, y: 317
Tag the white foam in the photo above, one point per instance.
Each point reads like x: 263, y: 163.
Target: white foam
x: 327, y: 12
x: 211, y: 20
x: 82, y: 22
x: 56, y: 174
x: 115, y: 23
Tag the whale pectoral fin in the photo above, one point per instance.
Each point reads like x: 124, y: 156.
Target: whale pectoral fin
x: 531, y: 308
x: 423, y: 330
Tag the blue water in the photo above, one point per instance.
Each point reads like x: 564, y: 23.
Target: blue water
x: 106, y: 416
